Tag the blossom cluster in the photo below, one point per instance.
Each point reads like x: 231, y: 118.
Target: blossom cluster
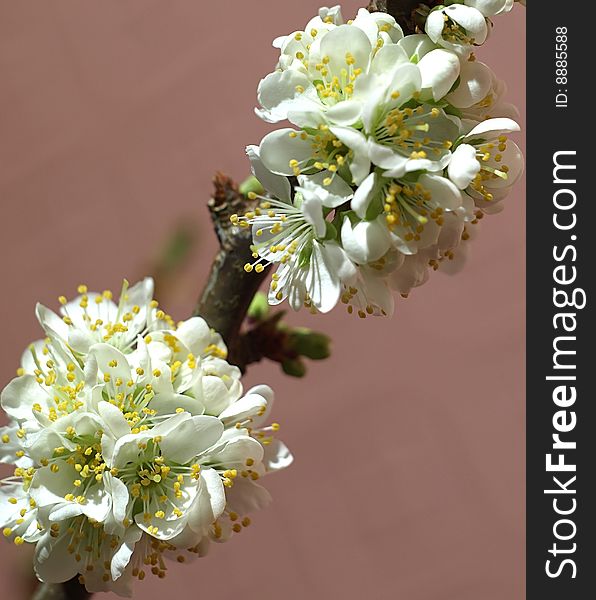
x: 398, y: 145
x: 131, y: 441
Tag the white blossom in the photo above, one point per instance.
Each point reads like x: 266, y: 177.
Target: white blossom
x: 390, y: 162
x: 129, y: 451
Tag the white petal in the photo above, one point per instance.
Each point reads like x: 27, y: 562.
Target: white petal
x: 464, y: 166
x: 386, y: 158
x: 267, y: 393
x: 339, y: 262
x: 277, y: 90
x: 341, y: 40
x: 195, y: 334
x: 190, y: 437
x: 280, y: 147
x: 470, y: 19
x: 412, y: 273
x: 321, y: 281
x: 276, y: 185
x: 122, y: 555
x: 365, y: 21
x: 387, y: 58
x: 48, y: 488
x: 246, y: 496
x: 345, y: 113
x: 119, y: 494
x: 364, y: 195
x: 434, y: 25
x: 366, y: 241
x: 243, y: 409
x: 20, y: 394
x: 113, y: 419
x: 234, y: 454
x: 111, y: 361
x: 488, y: 8
x: 333, y: 195
x: 50, y: 322
x: 493, y: 128
x: 277, y: 456
x: 377, y: 290
x: 443, y: 191
x: 476, y: 81
x: 416, y: 46
x: 356, y: 141
x: 53, y: 563
x: 168, y: 403
x: 312, y: 209
x: 209, y: 503
x: 439, y: 70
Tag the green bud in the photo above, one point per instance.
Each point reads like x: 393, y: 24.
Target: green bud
x: 251, y: 184
x: 312, y: 344
x: 259, y: 307
x: 294, y: 367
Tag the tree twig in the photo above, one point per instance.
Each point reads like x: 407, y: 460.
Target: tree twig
x: 229, y: 289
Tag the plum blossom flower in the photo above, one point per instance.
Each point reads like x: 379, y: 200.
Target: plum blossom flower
x: 318, y: 67
x: 94, y: 317
x: 294, y: 233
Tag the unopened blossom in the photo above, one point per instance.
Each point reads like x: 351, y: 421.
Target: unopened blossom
x: 457, y: 27
x: 127, y: 453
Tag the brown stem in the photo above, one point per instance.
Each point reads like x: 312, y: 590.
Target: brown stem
x: 229, y: 289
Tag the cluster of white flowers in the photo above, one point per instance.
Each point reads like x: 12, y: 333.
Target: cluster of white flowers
x: 131, y: 441
x: 398, y: 147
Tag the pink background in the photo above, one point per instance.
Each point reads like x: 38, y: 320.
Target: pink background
x: 409, y: 443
